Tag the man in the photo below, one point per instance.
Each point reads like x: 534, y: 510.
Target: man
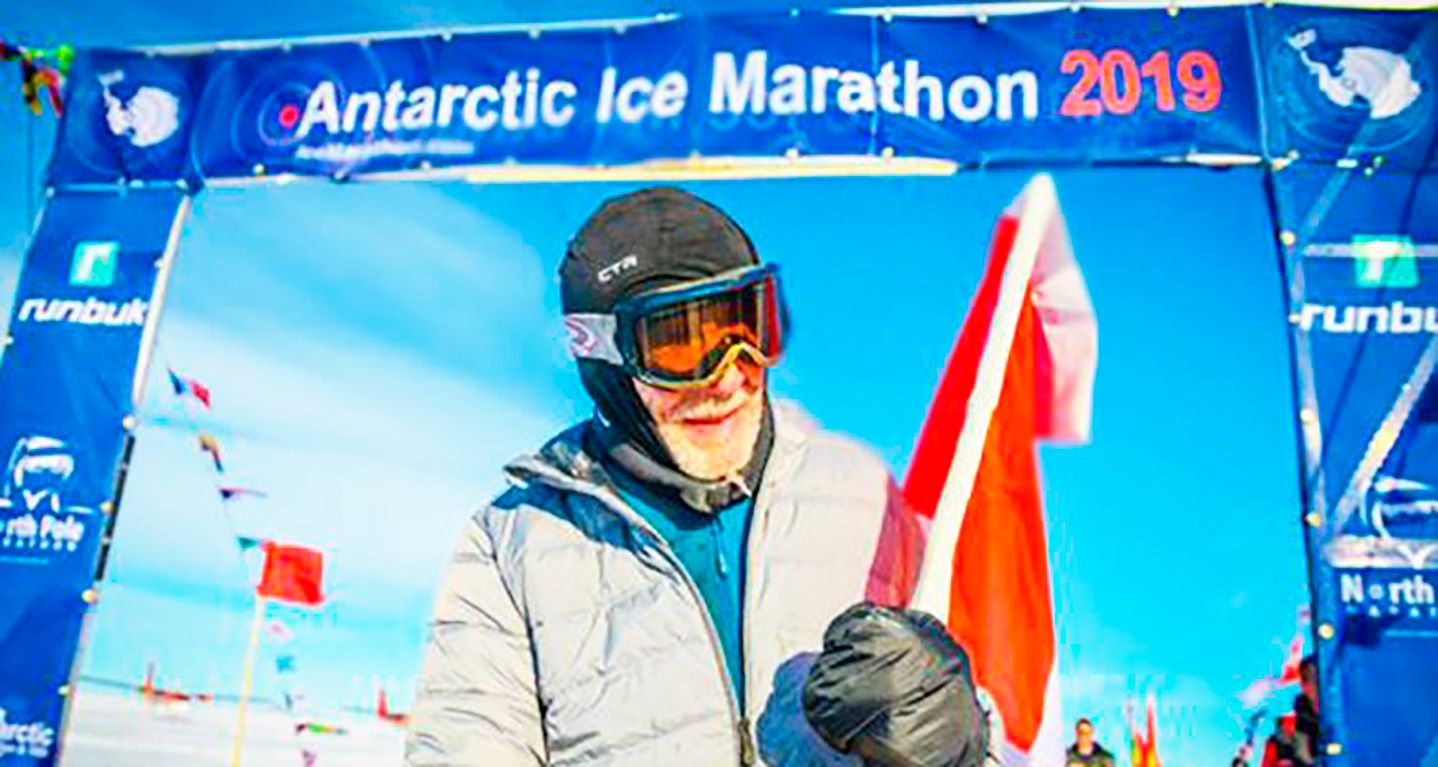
x: 1286, y: 747
x: 1085, y: 751
x: 1305, y: 704
x: 660, y: 585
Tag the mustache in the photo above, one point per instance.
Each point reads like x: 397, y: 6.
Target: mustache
x: 706, y: 407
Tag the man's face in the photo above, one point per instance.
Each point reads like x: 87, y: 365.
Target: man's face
x: 710, y: 430
x: 1308, y: 680
x: 1083, y: 735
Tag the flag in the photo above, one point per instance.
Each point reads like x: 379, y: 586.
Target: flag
x: 279, y: 632
x: 1021, y: 371
x: 285, y: 664
x: 211, y: 445
x: 319, y: 728
x: 1257, y: 693
x: 231, y: 493
x: 1245, y: 751
x: 1145, y: 744
x: 248, y: 543
x: 291, y: 574
x: 188, y: 386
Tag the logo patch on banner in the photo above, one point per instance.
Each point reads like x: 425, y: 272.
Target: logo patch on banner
x: 146, y: 118
x: 1396, y: 318
x: 91, y: 311
x: 1399, y: 503
x: 94, y: 264
x: 1378, y: 261
x: 1384, y: 262
x: 25, y: 739
x: 1336, y: 78
x: 36, y: 481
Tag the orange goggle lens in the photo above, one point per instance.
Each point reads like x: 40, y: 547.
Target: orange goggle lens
x: 689, y: 342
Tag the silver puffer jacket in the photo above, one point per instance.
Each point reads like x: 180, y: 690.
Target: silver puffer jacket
x: 566, y: 633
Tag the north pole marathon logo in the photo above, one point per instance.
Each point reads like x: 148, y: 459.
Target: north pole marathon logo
x: 1396, y: 527
x: 1398, y: 507
x: 1352, y: 85
x: 34, y: 512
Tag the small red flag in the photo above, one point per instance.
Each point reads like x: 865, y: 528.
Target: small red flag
x: 200, y: 391
x: 292, y: 574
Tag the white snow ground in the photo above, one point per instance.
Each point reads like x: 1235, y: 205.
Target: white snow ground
x: 109, y: 729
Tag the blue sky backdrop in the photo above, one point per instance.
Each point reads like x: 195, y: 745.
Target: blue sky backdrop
x: 376, y: 353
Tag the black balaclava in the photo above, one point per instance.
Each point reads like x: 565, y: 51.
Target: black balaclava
x: 636, y: 243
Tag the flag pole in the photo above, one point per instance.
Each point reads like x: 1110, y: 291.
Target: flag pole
x: 936, y: 572
x: 250, y: 653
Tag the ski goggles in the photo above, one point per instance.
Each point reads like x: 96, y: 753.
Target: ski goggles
x: 688, y: 334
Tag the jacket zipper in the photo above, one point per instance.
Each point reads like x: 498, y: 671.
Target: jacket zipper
x: 758, y: 525
x: 739, y: 723
x: 744, y: 748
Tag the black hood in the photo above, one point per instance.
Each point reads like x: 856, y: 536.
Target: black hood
x: 636, y: 243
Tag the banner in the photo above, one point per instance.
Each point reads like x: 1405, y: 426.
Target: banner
x: 1050, y: 87
x: 1341, y: 105
x: 1349, y: 86
x: 87, y: 296
x: 1354, y: 95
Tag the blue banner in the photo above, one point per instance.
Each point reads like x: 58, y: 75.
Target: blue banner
x: 85, y: 298
x: 1343, y: 106
x: 1350, y: 109
x: 1349, y: 85
x: 1363, y: 257
x: 1051, y: 87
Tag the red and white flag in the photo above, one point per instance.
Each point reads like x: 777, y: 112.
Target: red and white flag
x: 1021, y: 371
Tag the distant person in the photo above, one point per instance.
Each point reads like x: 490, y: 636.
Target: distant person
x: 1085, y: 751
x: 1286, y: 747
x: 1305, y: 705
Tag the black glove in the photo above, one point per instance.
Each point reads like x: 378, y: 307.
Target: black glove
x: 892, y: 687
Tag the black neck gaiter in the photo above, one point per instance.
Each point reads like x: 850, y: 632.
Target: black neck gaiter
x: 618, y: 446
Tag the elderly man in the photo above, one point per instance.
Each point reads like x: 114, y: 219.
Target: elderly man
x: 698, y: 575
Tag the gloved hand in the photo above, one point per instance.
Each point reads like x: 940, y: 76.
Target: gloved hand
x: 892, y: 687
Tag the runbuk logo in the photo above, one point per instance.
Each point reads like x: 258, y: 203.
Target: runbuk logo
x: 91, y: 311
x: 1396, y: 318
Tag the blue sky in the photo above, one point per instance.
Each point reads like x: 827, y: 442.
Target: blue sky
x: 377, y: 351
